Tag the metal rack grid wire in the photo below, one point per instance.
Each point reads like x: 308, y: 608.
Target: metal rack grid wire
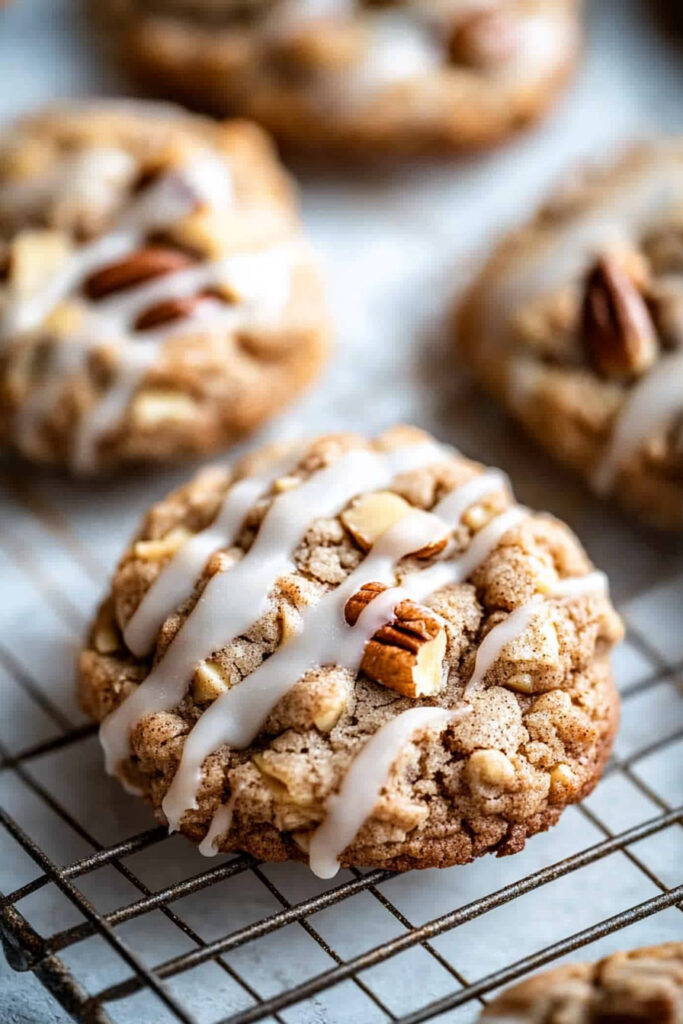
x: 27, y: 950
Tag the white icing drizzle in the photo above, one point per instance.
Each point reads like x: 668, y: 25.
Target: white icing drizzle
x: 443, y: 574
x: 406, y: 44
x: 246, y: 272
x: 265, y: 284
x: 544, y: 38
x: 97, y: 175
x: 453, y: 506
x: 293, y: 14
x: 220, y: 824
x: 520, y: 618
x: 234, y: 600
x: 636, y: 205
x: 648, y: 408
x: 401, y: 47
x: 168, y: 200
x: 362, y: 785
x: 261, y: 278
x: 65, y: 359
x: 177, y: 578
x: 575, y: 586
x: 498, y: 638
x: 133, y: 363
x: 237, y: 716
x: 639, y: 203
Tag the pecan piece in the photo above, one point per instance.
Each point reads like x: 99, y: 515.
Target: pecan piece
x: 134, y: 269
x: 619, y: 335
x: 407, y: 654
x: 167, y: 311
x: 373, y: 514
x: 485, y: 39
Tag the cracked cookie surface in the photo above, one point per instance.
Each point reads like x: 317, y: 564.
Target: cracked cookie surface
x: 576, y: 326
x: 641, y: 985
x: 157, y: 299
x: 346, y: 609
x: 411, y: 77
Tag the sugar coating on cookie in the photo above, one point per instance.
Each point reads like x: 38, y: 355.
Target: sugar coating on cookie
x: 576, y: 324
x: 641, y: 985
x: 156, y: 296
x: 354, y: 652
x: 359, y: 75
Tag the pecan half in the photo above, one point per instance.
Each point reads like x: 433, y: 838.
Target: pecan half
x: 134, y: 269
x: 407, y: 654
x: 619, y: 336
x: 167, y: 311
x: 485, y: 39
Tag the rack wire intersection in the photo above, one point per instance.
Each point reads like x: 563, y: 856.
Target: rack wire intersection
x: 44, y: 954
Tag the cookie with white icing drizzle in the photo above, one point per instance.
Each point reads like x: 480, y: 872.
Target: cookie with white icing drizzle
x: 358, y: 76
x: 341, y: 610
x: 576, y: 325
x: 157, y: 299
x: 639, y: 986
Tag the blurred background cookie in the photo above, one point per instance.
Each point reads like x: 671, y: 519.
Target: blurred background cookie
x: 157, y: 299
x: 358, y: 76
x: 642, y: 986
x: 576, y: 325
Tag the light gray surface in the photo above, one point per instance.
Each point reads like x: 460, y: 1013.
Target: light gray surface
x: 395, y: 246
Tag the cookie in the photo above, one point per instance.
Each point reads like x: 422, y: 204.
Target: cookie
x: 354, y: 652
x: 157, y: 299
x: 576, y: 325
x: 358, y: 76
x: 642, y: 985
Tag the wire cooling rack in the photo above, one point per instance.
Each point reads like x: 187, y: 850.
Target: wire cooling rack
x: 90, y: 910
x: 122, y: 923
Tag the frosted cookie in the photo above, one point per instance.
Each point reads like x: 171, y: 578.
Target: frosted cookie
x: 354, y: 652
x: 157, y: 299
x: 576, y: 325
x: 359, y: 75
x: 643, y: 985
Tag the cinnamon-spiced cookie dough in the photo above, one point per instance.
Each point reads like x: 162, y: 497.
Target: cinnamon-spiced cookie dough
x: 642, y: 986
x: 157, y: 299
x: 354, y: 652
x: 576, y: 325
x: 361, y: 76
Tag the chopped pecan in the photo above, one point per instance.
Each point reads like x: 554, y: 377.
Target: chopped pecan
x: 618, y: 332
x: 34, y: 256
x: 360, y: 600
x: 373, y: 514
x: 485, y: 39
x: 134, y: 269
x: 167, y: 311
x: 407, y: 654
